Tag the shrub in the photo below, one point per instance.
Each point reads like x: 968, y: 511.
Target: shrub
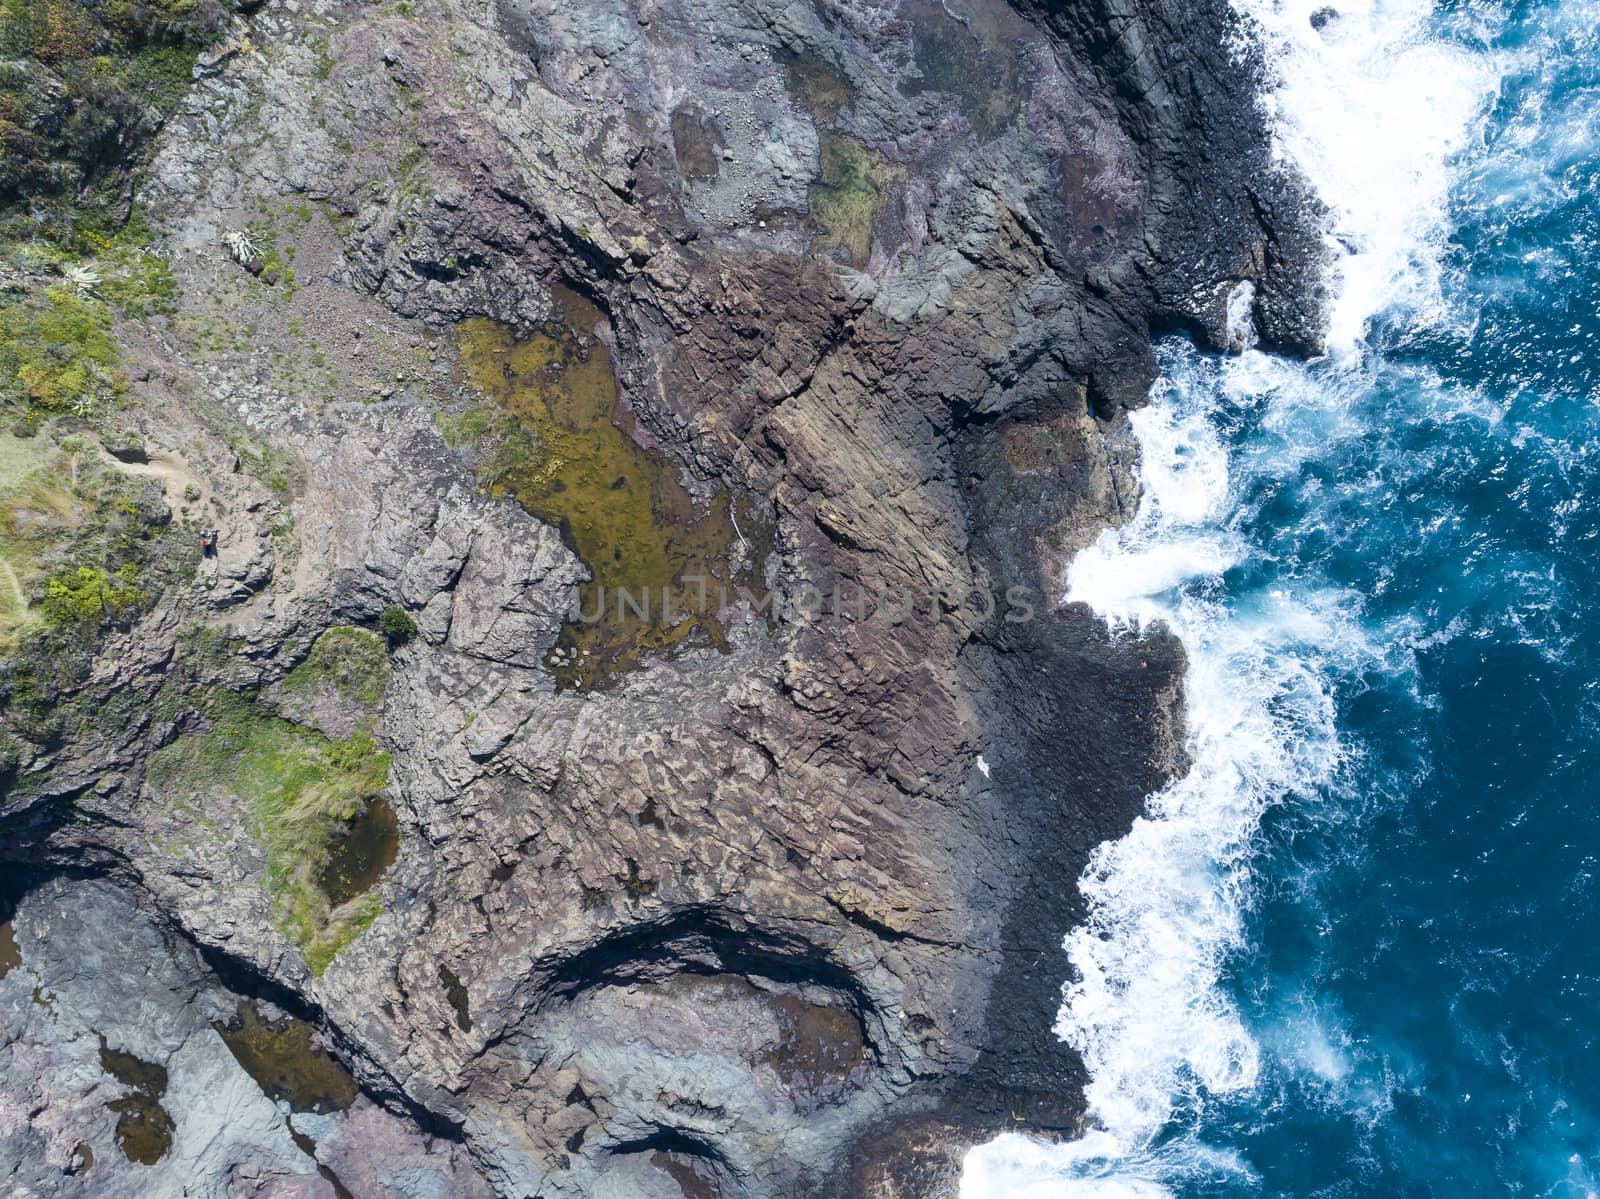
x: 56, y: 351
x: 86, y: 546
x: 84, y: 84
x: 396, y: 625
x: 89, y: 595
x: 143, y: 286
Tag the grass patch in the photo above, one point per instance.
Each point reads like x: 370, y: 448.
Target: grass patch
x: 298, y: 792
x: 321, y: 57
x: 276, y: 469
x: 19, y: 458
x: 349, y: 662
x: 141, y: 284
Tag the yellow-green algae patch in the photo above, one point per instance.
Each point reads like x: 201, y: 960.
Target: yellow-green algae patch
x: 848, y: 194
x: 561, y: 446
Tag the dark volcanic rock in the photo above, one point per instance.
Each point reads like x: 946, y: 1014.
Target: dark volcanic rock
x: 777, y: 916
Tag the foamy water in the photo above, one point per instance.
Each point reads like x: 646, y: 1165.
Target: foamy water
x: 1373, y: 113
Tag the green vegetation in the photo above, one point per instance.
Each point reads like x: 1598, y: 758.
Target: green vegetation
x: 346, y: 661
x: 56, y: 352
x: 299, y: 791
x: 277, y: 470
x: 84, y: 84
x: 142, y: 284
x: 352, y: 922
x: 84, y: 547
x: 411, y: 178
x: 322, y: 57
x: 260, y: 241
x: 505, y: 443
x: 396, y: 625
x: 553, y: 441
x: 846, y: 198
x: 77, y: 595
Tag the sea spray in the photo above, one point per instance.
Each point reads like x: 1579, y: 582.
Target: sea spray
x: 1372, y: 110
x: 1146, y: 1011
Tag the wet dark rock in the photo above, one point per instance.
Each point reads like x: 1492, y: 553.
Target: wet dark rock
x: 456, y: 992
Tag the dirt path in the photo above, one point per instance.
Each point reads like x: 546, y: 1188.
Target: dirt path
x: 174, y: 474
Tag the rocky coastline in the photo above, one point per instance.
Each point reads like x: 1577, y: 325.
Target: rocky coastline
x: 768, y: 903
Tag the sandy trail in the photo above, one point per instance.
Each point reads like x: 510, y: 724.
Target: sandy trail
x: 175, y: 476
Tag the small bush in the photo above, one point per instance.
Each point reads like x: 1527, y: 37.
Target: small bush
x: 396, y: 625
x: 89, y: 595
x: 84, y: 548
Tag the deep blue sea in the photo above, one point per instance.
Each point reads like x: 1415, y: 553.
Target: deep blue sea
x: 1356, y: 951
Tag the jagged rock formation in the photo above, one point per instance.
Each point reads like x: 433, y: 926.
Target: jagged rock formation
x: 161, y: 1078
x: 777, y: 918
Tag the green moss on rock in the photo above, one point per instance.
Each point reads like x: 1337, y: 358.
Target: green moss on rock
x: 849, y: 192
x: 298, y: 791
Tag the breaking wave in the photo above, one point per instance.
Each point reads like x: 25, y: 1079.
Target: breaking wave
x: 1375, y: 109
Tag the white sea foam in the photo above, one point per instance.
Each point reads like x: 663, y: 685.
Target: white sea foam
x: 1372, y: 112
x: 1147, y: 1013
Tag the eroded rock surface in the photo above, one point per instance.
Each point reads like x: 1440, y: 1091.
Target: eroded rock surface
x: 777, y: 917
x: 116, y: 1078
